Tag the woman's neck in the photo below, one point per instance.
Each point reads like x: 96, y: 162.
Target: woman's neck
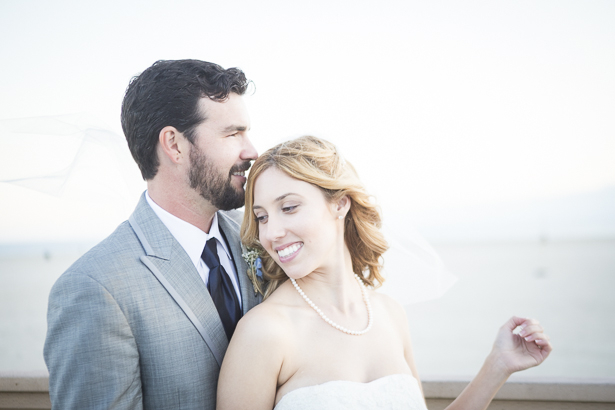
x: 334, y: 285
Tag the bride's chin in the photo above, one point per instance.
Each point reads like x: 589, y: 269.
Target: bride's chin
x: 296, y: 275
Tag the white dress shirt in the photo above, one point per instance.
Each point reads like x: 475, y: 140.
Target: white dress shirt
x: 193, y: 240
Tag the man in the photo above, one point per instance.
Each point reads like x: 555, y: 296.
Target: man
x: 143, y: 319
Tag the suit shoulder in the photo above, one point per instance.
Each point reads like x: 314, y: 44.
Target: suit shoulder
x: 116, y: 253
x: 235, y: 216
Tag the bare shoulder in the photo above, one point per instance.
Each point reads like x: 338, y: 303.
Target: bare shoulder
x: 393, y: 308
x: 266, y: 323
x: 254, y: 358
x: 397, y: 314
x: 258, y: 342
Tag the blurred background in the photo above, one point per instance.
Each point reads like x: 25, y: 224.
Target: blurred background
x: 488, y: 126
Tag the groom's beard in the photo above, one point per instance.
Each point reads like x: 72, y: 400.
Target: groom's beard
x: 213, y: 185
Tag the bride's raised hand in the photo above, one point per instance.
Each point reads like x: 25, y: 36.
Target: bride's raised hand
x: 511, y: 353
x: 528, y: 348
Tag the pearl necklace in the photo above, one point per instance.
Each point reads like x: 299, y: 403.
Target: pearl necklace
x: 332, y: 323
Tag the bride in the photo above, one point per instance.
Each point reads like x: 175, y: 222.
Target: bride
x: 323, y: 338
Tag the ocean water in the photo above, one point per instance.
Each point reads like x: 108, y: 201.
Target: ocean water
x: 568, y: 286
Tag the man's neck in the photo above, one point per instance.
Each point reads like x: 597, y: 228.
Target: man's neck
x: 188, y: 206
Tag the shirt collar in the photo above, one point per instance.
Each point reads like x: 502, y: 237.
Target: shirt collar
x: 191, y: 238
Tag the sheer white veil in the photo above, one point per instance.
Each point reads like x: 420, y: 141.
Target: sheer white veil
x: 75, y: 158
x: 412, y: 268
x: 68, y: 156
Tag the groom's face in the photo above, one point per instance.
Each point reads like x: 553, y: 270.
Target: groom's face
x: 222, y: 152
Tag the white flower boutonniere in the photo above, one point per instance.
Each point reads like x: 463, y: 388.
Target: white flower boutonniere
x: 255, y: 265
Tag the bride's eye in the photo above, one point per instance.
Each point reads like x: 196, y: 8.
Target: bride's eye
x: 290, y: 208
x: 261, y: 219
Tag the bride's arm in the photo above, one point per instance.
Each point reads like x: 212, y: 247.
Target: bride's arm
x: 511, y: 353
x: 249, y: 374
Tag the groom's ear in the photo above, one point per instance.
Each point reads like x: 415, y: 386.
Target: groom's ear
x: 172, y: 145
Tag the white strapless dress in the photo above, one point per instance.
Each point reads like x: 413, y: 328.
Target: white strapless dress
x: 394, y: 392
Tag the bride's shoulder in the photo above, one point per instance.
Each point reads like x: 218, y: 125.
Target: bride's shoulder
x: 392, y: 307
x: 269, y: 320
x: 385, y: 300
x: 396, y: 318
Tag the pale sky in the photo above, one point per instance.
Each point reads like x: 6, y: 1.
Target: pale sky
x: 439, y: 104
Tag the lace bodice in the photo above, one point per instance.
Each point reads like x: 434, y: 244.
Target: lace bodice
x: 394, y: 392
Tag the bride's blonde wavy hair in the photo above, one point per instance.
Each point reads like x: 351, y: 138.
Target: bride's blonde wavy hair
x: 317, y: 162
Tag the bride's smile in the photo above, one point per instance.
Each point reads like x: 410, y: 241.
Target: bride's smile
x: 288, y: 252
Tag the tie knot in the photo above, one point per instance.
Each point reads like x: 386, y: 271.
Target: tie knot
x: 210, y: 254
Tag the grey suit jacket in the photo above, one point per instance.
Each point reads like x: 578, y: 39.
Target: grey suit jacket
x: 131, y: 324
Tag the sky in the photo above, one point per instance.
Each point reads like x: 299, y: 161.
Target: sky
x: 440, y: 105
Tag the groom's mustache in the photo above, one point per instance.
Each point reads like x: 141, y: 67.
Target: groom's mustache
x: 244, y: 166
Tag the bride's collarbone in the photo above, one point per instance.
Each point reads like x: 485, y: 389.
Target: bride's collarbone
x: 304, y: 318
x: 334, y: 351
x: 338, y: 356
x: 309, y: 328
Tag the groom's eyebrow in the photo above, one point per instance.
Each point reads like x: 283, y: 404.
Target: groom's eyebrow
x: 235, y: 128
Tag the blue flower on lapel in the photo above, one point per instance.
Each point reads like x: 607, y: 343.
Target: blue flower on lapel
x: 258, y: 263
x: 255, y: 266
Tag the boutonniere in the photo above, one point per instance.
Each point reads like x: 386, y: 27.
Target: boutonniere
x: 255, y: 265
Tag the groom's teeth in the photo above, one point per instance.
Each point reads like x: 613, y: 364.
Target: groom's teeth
x: 240, y: 173
x: 289, y: 250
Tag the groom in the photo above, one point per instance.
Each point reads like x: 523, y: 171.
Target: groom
x: 142, y: 321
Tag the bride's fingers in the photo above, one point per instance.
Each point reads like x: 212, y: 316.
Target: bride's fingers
x: 530, y: 322
x: 536, y: 336
x: 544, y: 345
x: 530, y: 329
x: 516, y: 321
x: 520, y: 323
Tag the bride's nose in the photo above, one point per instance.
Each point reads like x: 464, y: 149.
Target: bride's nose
x: 275, y: 229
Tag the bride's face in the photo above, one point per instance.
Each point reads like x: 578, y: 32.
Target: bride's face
x: 297, y: 226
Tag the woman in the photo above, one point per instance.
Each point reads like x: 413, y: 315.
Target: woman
x: 322, y: 338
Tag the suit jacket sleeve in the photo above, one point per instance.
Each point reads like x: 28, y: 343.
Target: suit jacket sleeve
x: 90, y: 350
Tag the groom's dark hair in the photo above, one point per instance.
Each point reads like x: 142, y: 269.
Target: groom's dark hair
x: 168, y: 94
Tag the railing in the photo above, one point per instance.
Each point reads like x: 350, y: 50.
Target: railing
x: 530, y: 394
x: 24, y: 391
x: 31, y: 391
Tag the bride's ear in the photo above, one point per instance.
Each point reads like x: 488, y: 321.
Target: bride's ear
x: 342, y: 206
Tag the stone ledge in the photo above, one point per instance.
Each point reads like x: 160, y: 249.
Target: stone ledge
x: 33, y: 382
x: 441, y: 404
x: 25, y: 400
x: 530, y: 389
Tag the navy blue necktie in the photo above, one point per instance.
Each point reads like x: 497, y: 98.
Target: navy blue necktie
x: 221, y: 289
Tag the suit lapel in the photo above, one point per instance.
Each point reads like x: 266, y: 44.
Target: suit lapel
x: 167, y: 259
x: 231, y: 229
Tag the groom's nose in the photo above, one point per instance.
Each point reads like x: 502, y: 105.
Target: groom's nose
x: 248, y: 151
